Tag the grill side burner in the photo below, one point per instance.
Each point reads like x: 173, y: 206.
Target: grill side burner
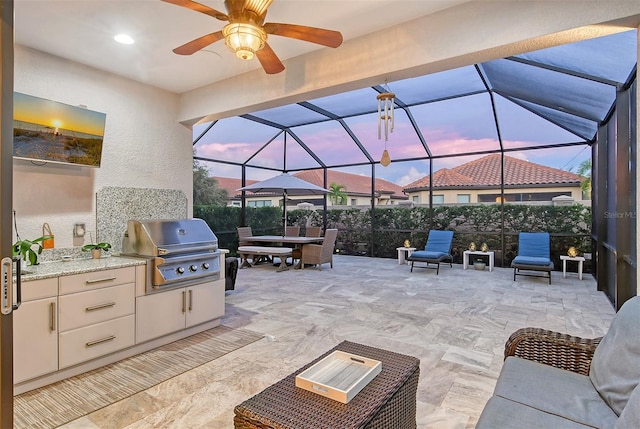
x: 180, y: 252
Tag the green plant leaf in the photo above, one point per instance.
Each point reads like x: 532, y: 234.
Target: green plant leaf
x: 101, y: 246
x: 25, y: 248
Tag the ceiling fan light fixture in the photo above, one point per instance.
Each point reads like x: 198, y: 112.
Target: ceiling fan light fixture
x: 259, y: 7
x: 244, y: 39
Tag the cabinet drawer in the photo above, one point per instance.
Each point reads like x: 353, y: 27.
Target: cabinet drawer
x: 97, y: 279
x: 95, y: 306
x: 37, y: 289
x: 90, y: 342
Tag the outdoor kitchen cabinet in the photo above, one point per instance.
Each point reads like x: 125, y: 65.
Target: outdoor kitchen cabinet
x: 96, y: 314
x: 80, y: 316
x: 35, y: 332
x: 166, y: 312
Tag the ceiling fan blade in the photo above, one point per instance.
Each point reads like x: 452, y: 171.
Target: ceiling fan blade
x: 269, y: 60
x: 330, y: 38
x: 199, y: 43
x: 189, y: 4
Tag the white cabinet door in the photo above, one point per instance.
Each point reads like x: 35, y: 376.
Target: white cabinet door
x: 159, y: 314
x: 205, y: 302
x: 35, y: 339
x: 162, y: 313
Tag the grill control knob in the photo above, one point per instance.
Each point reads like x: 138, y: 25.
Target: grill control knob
x: 180, y: 270
x: 205, y: 266
x: 193, y: 268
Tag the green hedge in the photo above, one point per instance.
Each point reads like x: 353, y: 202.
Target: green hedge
x: 569, y: 226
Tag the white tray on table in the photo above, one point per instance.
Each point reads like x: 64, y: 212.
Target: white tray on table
x: 339, y: 376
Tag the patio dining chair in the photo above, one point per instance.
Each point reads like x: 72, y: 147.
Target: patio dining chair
x: 310, y: 231
x: 318, y: 254
x: 291, y: 231
x: 243, y: 233
x: 313, y: 231
x: 534, y: 254
x: 437, y: 249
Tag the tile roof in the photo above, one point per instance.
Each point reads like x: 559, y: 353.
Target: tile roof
x: 352, y: 183
x: 232, y: 185
x: 485, y: 171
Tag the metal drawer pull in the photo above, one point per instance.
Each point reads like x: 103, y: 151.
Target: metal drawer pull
x: 100, y: 306
x: 52, y: 316
x: 108, y: 279
x: 102, y: 340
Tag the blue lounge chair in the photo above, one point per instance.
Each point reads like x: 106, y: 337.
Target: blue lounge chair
x: 534, y: 254
x: 438, y: 249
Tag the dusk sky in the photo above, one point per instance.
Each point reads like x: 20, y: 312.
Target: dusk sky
x: 455, y: 126
x: 566, y: 87
x: 57, y: 115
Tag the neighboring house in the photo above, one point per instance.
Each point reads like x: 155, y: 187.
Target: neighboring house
x: 479, y: 182
x: 356, y: 187
x: 235, y: 197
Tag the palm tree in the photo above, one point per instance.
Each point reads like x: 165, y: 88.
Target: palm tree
x: 584, y: 170
x: 336, y: 194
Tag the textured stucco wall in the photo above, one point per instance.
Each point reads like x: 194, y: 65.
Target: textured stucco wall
x: 144, y: 146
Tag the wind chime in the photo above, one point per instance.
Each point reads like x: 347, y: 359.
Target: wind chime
x: 386, y: 121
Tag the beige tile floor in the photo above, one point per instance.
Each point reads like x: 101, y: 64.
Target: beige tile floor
x: 456, y: 323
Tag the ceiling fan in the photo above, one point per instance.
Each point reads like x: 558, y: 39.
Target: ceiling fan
x: 246, y: 34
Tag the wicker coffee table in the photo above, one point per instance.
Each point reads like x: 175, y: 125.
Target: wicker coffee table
x: 387, y: 402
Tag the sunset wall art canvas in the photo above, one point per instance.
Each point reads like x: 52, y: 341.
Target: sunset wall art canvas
x: 49, y: 131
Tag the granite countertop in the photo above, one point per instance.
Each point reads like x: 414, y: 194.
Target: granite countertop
x: 77, y: 266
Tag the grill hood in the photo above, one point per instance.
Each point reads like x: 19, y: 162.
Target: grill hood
x: 169, y: 237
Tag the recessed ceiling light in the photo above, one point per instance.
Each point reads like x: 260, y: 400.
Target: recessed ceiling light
x: 124, y: 39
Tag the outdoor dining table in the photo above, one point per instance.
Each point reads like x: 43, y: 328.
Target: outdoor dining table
x: 284, y: 239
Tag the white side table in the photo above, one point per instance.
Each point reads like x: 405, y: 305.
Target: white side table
x: 578, y: 259
x: 467, y: 253
x: 401, y: 257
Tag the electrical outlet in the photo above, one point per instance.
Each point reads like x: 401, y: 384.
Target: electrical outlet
x: 79, y: 230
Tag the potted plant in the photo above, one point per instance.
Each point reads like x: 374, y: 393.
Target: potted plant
x: 96, y: 249
x: 28, y: 250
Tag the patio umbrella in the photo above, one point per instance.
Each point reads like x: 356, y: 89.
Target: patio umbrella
x: 287, y: 185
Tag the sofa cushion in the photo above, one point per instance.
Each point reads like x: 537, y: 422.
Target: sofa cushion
x: 531, y: 260
x: 615, y: 371
x: 553, y: 390
x: 503, y: 413
x: 630, y: 417
x: 424, y: 254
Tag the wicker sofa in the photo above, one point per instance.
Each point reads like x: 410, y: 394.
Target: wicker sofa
x: 553, y: 380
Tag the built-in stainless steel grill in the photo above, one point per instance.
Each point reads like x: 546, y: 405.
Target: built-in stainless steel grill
x: 181, y: 252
